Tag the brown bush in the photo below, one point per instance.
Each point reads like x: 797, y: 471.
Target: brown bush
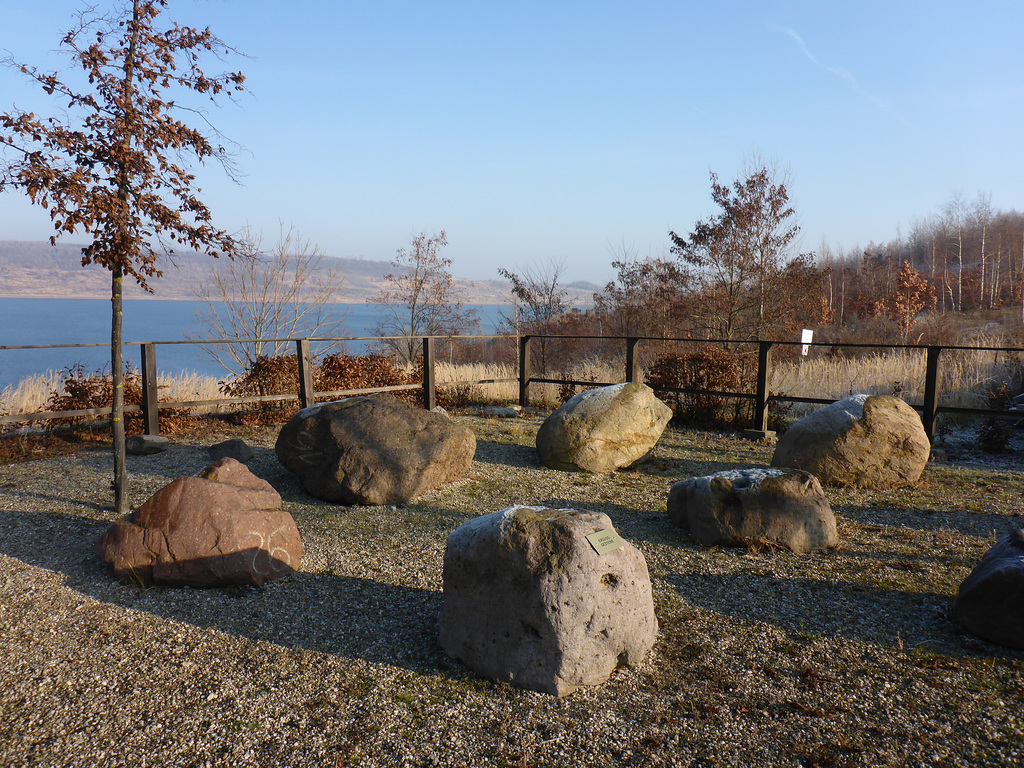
x: 80, y: 390
x: 709, y: 368
x: 265, y: 376
x: 995, y: 432
x: 280, y: 376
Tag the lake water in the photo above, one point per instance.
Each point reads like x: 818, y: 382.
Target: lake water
x: 87, y: 321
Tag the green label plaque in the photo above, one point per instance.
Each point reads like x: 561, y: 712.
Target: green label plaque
x: 604, y: 542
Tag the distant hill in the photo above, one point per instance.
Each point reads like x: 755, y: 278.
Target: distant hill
x: 39, y: 270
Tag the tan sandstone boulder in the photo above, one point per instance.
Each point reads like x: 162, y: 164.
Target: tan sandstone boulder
x: 529, y: 600
x: 604, y: 429
x: 755, y: 507
x: 863, y: 441
x: 220, y: 528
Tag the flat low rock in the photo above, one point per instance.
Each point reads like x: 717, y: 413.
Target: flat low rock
x: 373, y: 450
x: 602, y: 430
x: 755, y: 507
x: 146, y: 445
x: 529, y: 601
x: 990, y: 601
x: 224, y: 527
x: 862, y: 441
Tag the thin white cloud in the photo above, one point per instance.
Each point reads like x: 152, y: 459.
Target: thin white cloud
x: 841, y: 72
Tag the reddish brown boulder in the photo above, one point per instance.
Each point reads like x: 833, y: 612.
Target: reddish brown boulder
x: 223, y: 527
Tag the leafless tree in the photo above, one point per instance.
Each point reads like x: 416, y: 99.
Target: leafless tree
x: 538, y: 301
x: 265, y: 298
x: 420, y: 298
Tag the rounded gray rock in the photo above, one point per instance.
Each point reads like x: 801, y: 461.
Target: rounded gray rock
x: 755, y: 507
x: 990, y: 601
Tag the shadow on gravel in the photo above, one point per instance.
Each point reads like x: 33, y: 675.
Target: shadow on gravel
x: 810, y: 608
x: 343, y: 616
x: 980, y: 524
x: 488, y: 452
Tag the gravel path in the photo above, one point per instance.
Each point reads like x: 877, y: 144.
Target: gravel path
x: 764, y: 658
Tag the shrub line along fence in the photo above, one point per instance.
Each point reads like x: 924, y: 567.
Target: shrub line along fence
x: 306, y: 394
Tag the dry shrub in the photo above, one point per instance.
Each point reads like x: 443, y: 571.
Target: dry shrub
x: 280, y: 376
x: 995, y: 432
x: 265, y: 376
x: 342, y: 372
x: 79, y: 389
x: 709, y: 368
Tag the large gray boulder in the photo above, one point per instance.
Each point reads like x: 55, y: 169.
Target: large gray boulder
x: 604, y: 429
x: 864, y: 441
x: 222, y: 528
x: 990, y: 601
x: 373, y: 450
x: 755, y: 507
x: 528, y: 600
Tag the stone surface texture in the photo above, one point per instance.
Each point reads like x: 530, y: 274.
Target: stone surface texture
x: 223, y: 527
x: 863, y: 441
x: 755, y: 507
x: 990, y: 601
x: 604, y: 429
x: 374, y: 450
x: 528, y: 601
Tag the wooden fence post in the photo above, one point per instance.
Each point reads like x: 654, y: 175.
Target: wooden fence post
x: 931, y: 392
x: 632, y: 364
x: 306, y: 394
x: 150, y: 409
x: 524, y: 371
x: 761, y: 403
x: 429, y: 390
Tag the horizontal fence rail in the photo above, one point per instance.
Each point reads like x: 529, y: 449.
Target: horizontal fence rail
x: 306, y: 395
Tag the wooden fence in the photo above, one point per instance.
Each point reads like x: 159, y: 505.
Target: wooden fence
x: 306, y: 395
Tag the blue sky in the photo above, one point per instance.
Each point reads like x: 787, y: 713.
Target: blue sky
x: 563, y: 130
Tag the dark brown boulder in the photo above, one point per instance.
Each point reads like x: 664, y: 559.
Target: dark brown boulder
x: 220, y: 528
x: 990, y: 601
x: 236, y: 448
x: 373, y: 450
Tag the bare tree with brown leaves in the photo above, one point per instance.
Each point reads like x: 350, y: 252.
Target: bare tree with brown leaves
x: 913, y: 294
x: 114, y: 161
x: 736, y: 259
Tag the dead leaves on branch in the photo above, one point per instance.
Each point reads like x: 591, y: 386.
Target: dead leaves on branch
x: 116, y: 166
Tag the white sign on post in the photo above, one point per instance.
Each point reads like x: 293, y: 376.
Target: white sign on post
x: 805, y: 338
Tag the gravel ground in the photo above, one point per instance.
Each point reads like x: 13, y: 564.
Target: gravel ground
x: 764, y: 658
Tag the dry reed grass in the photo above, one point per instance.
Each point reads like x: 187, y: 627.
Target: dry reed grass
x: 31, y: 395
x: 965, y: 376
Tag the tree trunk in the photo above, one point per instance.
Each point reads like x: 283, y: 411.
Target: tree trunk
x: 117, y: 373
